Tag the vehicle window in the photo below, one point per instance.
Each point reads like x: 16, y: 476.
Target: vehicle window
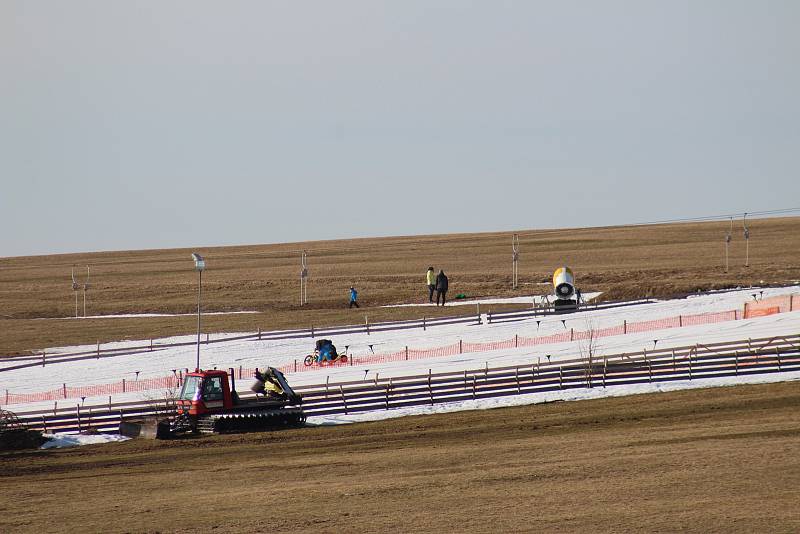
x: 212, y: 388
x: 189, y: 390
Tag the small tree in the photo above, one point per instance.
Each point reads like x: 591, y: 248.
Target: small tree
x: 588, y: 349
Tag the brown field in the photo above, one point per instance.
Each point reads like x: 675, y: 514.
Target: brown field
x: 718, y: 460
x: 660, y: 260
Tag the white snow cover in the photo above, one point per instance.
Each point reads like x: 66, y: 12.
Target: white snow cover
x: 550, y: 396
x: 533, y: 299
x: 145, y: 315
x: 279, y: 352
x: 60, y: 441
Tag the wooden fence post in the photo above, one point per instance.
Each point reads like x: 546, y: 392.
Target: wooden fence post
x: 259, y: 333
x: 430, y: 387
x: 680, y: 320
x: 474, y: 387
x: 778, y: 356
x: 98, y: 350
x: 312, y: 331
x: 625, y: 326
x: 460, y: 347
x: 78, y: 411
x: 571, y: 334
x: 64, y: 388
x: 43, y: 358
x: 423, y: 323
x: 406, y: 352
x: 44, y: 424
x: 736, y: 364
x: 344, y: 401
x: 123, y: 385
x: 516, y: 340
x: 516, y: 375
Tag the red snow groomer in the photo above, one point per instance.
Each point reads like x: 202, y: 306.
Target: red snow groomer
x: 208, y: 403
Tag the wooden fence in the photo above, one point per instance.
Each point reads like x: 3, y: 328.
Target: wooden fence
x: 43, y: 359
x: 695, y: 362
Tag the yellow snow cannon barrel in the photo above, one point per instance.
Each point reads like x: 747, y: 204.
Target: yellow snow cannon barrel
x: 564, y: 283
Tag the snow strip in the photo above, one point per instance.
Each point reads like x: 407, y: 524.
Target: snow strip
x: 551, y: 396
x: 530, y: 299
x: 60, y: 441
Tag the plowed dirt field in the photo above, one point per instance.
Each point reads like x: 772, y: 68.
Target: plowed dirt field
x: 36, y: 297
x: 717, y: 460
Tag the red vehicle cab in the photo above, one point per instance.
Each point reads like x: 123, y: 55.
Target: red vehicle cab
x: 205, y: 392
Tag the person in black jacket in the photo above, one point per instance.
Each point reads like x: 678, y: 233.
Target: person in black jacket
x: 441, y: 287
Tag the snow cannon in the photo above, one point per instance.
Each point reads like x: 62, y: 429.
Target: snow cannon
x: 564, y: 287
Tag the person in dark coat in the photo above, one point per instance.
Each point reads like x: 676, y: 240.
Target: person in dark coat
x: 441, y: 287
x: 353, y: 297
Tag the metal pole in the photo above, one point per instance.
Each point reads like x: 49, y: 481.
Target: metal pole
x: 303, y: 279
x: 199, y: 293
x: 85, y: 287
x: 515, y: 261
x: 727, y: 245
x: 746, y: 241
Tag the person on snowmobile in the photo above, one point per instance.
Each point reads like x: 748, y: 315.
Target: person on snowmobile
x: 326, y: 351
x: 268, y: 385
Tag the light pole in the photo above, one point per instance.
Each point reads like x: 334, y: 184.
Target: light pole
x: 199, y: 265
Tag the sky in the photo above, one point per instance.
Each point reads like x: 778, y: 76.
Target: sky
x: 153, y: 124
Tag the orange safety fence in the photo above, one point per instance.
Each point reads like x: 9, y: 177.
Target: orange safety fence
x: 754, y: 309
x: 761, y: 308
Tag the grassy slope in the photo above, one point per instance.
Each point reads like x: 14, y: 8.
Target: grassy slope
x: 658, y: 260
x: 718, y: 460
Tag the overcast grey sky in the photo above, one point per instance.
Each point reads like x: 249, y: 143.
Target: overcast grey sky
x: 128, y: 125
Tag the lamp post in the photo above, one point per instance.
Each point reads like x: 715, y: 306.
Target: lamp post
x: 199, y: 265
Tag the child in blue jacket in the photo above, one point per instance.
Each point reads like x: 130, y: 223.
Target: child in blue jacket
x: 353, y: 297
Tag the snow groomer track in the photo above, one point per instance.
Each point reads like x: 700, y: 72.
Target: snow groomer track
x: 696, y: 362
